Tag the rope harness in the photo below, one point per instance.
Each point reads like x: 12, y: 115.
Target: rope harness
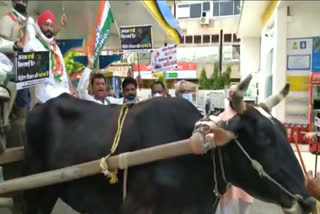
x: 113, y: 178
x: 207, y: 138
x: 202, y: 128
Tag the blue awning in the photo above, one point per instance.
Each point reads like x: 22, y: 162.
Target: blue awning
x: 167, y: 15
x: 67, y: 44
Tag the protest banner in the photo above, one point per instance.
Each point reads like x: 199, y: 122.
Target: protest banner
x: 164, y: 59
x: 136, y: 38
x: 32, y: 68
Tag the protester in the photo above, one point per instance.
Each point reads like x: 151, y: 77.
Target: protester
x: 184, y: 89
x: 98, y: 86
x: 129, y: 88
x: 313, y: 184
x: 18, y: 27
x: 58, y: 81
x: 158, y: 89
x: 311, y: 136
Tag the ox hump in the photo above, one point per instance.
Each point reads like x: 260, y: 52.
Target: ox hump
x: 264, y: 113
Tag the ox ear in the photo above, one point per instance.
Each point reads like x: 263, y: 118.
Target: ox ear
x: 274, y: 100
x: 222, y: 136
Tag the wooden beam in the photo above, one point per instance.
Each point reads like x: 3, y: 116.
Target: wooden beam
x: 122, y: 161
x: 12, y: 155
x: 6, y: 203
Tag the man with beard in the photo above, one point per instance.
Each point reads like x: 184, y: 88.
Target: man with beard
x: 18, y: 27
x: 58, y: 81
x: 129, y: 90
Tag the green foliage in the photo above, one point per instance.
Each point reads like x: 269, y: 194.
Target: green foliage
x: 215, y: 71
x: 162, y: 78
x: 72, y: 67
x: 203, y: 81
x: 219, y: 81
x: 227, y: 74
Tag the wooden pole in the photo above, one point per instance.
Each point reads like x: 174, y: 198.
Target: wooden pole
x: 174, y: 9
x: 122, y: 161
x: 316, y: 164
x: 139, y: 80
x: 12, y: 155
x: 6, y: 203
x: 221, y: 52
x: 299, y: 153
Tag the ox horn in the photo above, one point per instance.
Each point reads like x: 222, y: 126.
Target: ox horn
x: 237, y: 97
x: 274, y: 100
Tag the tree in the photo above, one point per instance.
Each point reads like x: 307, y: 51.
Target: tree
x: 72, y: 66
x: 162, y: 78
x: 227, y: 76
x: 203, y: 81
x: 219, y: 81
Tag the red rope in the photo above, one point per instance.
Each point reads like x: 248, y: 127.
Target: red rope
x: 299, y: 153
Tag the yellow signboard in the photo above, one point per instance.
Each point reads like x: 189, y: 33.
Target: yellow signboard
x: 299, y: 83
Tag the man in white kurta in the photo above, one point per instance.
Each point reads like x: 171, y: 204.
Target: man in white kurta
x: 58, y: 82
x: 98, y: 84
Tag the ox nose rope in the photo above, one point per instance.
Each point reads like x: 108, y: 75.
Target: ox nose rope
x: 222, y: 167
x: 259, y: 168
x: 255, y: 164
x: 299, y: 153
x: 216, y: 190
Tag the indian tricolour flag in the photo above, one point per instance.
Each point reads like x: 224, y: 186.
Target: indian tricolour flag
x: 102, y: 30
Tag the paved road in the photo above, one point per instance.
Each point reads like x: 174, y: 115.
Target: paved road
x: 258, y: 207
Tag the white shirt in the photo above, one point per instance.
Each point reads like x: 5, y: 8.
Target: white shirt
x: 84, y: 94
x: 51, y: 88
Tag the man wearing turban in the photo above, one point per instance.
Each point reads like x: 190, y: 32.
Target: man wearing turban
x: 58, y: 82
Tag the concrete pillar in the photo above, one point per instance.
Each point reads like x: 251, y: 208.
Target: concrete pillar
x: 249, y: 56
x: 280, y: 58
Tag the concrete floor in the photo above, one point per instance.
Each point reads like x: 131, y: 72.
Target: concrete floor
x: 258, y: 207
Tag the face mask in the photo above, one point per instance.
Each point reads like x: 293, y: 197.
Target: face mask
x: 157, y: 95
x: 187, y: 96
x: 130, y: 100
x: 20, y: 8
